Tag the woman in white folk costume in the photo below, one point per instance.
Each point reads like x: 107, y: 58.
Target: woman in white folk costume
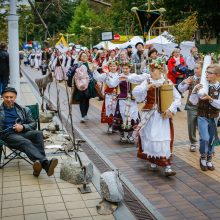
x: 58, y: 66
x: 155, y: 131
x: 109, y: 104
x: 32, y: 58
x: 38, y: 59
x: 126, y: 114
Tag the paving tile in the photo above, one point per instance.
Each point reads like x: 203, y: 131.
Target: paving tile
x: 31, y: 209
x: 66, y: 185
x: 32, y: 201
x: 48, y: 186
x: 34, y: 194
x: 69, y: 191
x: 30, y: 188
x: 11, y: 184
x: 18, y: 217
x: 8, y: 190
x: 12, y: 211
x: 92, y: 202
x: 54, y: 207
x: 93, y: 211
x: 52, y: 199
x: 82, y: 218
x: 38, y: 216
x: 72, y: 198
x: 51, y: 192
x: 29, y: 182
x: 103, y: 217
x: 57, y: 215
x: 11, y: 203
x: 11, y: 196
x: 75, y: 205
x: 11, y: 178
x: 89, y: 196
x: 78, y: 213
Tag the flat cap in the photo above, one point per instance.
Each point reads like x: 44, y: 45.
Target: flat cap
x: 9, y: 89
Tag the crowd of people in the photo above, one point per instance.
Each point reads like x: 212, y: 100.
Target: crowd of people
x: 122, y: 78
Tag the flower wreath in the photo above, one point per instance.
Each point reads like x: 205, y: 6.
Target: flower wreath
x: 158, y: 63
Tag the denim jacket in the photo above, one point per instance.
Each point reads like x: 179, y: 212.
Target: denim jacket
x: 25, y: 117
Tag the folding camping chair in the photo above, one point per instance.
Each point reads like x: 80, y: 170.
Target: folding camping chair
x: 16, y: 154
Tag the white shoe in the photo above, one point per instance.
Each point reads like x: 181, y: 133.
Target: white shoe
x: 83, y: 120
x: 109, y: 131
x: 130, y: 140
x: 153, y: 167
x: 123, y: 139
x: 86, y: 117
x: 169, y: 172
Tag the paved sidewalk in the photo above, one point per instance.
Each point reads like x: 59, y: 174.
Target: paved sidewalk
x: 191, y: 194
x: 23, y: 196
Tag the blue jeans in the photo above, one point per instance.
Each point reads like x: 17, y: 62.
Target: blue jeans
x: 207, y: 132
x: 3, y: 84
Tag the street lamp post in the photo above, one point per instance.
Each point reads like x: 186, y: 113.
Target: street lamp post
x: 14, y: 48
x: 90, y: 33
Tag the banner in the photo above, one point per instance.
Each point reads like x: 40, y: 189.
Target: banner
x: 62, y: 45
x: 147, y: 20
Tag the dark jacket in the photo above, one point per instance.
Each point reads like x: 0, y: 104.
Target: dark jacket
x: 25, y: 116
x: 4, y: 63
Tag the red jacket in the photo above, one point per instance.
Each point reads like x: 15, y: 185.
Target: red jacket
x: 172, y: 74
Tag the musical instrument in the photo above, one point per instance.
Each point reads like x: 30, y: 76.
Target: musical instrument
x: 203, y: 81
x: 166, y: 97
x: 166, y: 94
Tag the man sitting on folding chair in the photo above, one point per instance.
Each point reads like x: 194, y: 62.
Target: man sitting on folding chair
x: 17, y: 130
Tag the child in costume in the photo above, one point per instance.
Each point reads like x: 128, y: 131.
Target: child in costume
x: 126, y: 114
x: 109, y: 104
x: 189, y: 84
x: 208, y: 110
x: 155, y: 131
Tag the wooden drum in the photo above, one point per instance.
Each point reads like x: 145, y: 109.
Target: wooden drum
x: 166, y: 97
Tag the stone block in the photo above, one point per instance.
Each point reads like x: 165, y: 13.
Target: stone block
x: 71, y: 171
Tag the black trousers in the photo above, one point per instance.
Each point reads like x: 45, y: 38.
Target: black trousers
x: 30, y: 142
x: 84, y: 102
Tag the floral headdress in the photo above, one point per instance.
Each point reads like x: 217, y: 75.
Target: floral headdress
x: 127, y: 63
x: 158, y: 63
x: 113, y: 62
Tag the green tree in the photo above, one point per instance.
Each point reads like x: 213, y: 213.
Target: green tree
x: 208, y: 14
x: 86, y: 16
x: 185, y: 30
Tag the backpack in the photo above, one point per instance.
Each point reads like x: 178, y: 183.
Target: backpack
x: 70, y: 74
x: 82, y: 78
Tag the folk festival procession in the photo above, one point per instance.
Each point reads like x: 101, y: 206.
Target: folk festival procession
x: 117, y: 102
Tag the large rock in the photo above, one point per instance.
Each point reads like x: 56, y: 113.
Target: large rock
x: 111, y: 187
x: 71, y: 171
x: 46, y: 117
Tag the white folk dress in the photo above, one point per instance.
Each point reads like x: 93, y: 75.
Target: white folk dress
x: 155, y: 131
x: 128, y: 108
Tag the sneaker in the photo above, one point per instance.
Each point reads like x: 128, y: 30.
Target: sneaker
x: 130, y: 140
x: 169, y: 172
x: 86, y: 117
x: 52, y: 164
x: 210, y: 166
x: 192, y: 148
x: 109, y: 131
x: 37, y: 167
x: 202, y: 166
x: 83, y: 120
x: 153, y: 167
x: 123, y: 139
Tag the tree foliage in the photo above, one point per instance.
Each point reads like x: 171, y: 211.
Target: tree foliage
x: 208, y: 13
x: 185, y: 30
